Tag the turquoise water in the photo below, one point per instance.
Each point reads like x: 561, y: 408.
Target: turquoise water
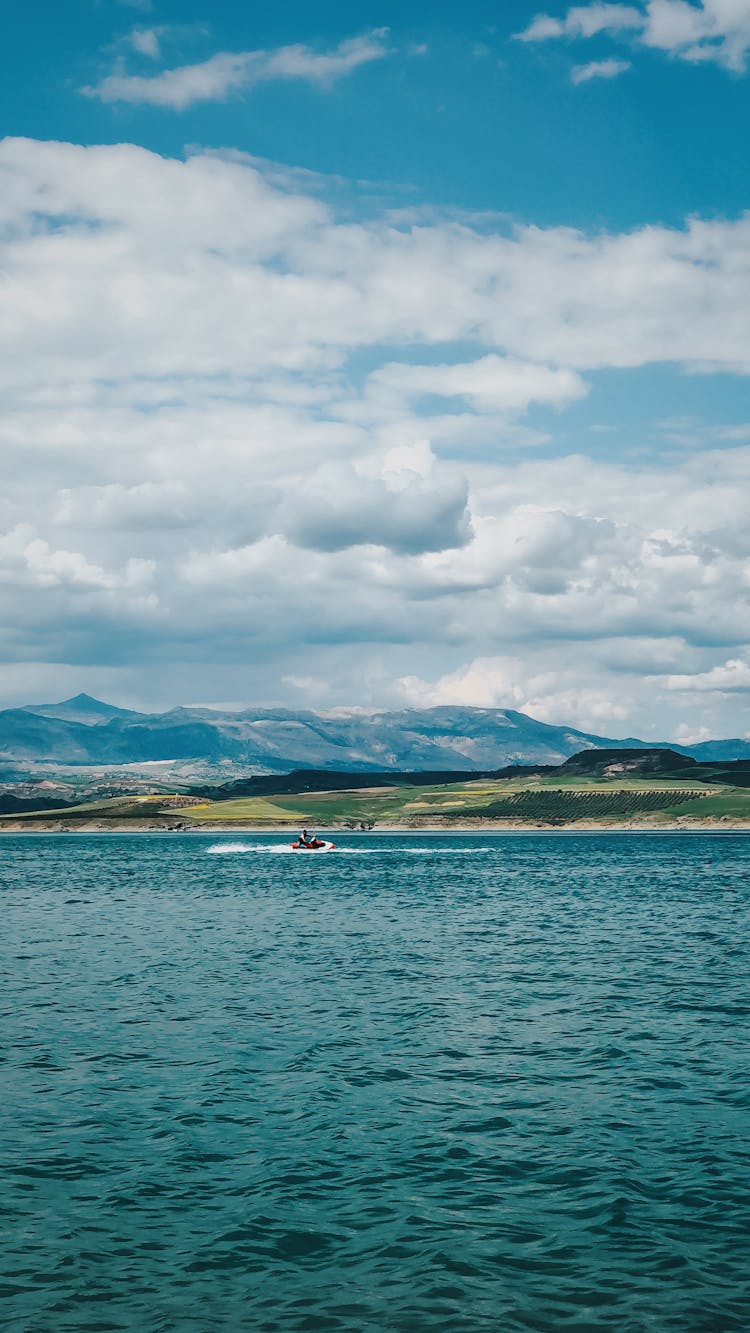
x: 426, y: 1084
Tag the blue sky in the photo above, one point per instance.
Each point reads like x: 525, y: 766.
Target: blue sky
x: 392, y: 359
x: 479, y: 122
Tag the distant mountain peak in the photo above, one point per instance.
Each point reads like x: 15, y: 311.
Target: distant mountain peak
x: 88, y: 701
x: 80, y: 708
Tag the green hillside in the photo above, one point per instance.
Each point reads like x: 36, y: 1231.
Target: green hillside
x: 538, y: 800
x: 551, y: 798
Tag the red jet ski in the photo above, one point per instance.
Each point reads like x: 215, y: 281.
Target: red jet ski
x: 314, y: 845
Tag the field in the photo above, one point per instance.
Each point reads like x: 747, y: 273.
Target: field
x: 549, y: 801
x: 538, y: 801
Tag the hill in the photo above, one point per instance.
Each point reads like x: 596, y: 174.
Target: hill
x: 607, y: 763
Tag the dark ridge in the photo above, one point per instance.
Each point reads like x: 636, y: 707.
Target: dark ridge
x: 597, y: 762
x: 326, y: 779
x: 735, y: 773
x: 21, y: 805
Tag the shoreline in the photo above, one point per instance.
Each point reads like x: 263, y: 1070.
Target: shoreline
x: 15, y: 826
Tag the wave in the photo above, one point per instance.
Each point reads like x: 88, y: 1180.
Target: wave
x: 234, y: 848
x: 276, y: 849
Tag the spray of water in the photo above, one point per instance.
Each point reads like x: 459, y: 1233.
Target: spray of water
x: 283, y: 849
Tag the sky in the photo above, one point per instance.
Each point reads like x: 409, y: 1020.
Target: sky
x: 382, y: 356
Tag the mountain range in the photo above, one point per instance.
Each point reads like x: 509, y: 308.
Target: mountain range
x: 85, y: 731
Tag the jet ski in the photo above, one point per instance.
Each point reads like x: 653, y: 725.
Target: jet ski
x: 314, y: 845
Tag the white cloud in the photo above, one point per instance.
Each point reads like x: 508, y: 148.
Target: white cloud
x: 120, y: 264
x: 730, y: 676
x: 598, y: 69
x: 687, y: 735
x: 146, y: 42
x: 492, y: 384
x: 716, y: 31
x: 229, y: 72
x: 244, y: 438
x: 404, y: 461
x: 554, y: 687
x: 505, y: 682
x: 130, y: 508
x: 26, y: 557
x: 583, y: 21
x: 335, y: 508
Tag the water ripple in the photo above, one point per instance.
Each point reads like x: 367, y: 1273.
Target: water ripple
x: 456, y: 1085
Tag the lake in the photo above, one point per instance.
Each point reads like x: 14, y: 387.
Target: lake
x: 424, y: 1084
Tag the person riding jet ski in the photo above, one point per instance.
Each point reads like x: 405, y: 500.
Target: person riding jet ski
x: 309, y: 842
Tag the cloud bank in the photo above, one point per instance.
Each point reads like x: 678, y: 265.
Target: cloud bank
x: 248, y: 439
